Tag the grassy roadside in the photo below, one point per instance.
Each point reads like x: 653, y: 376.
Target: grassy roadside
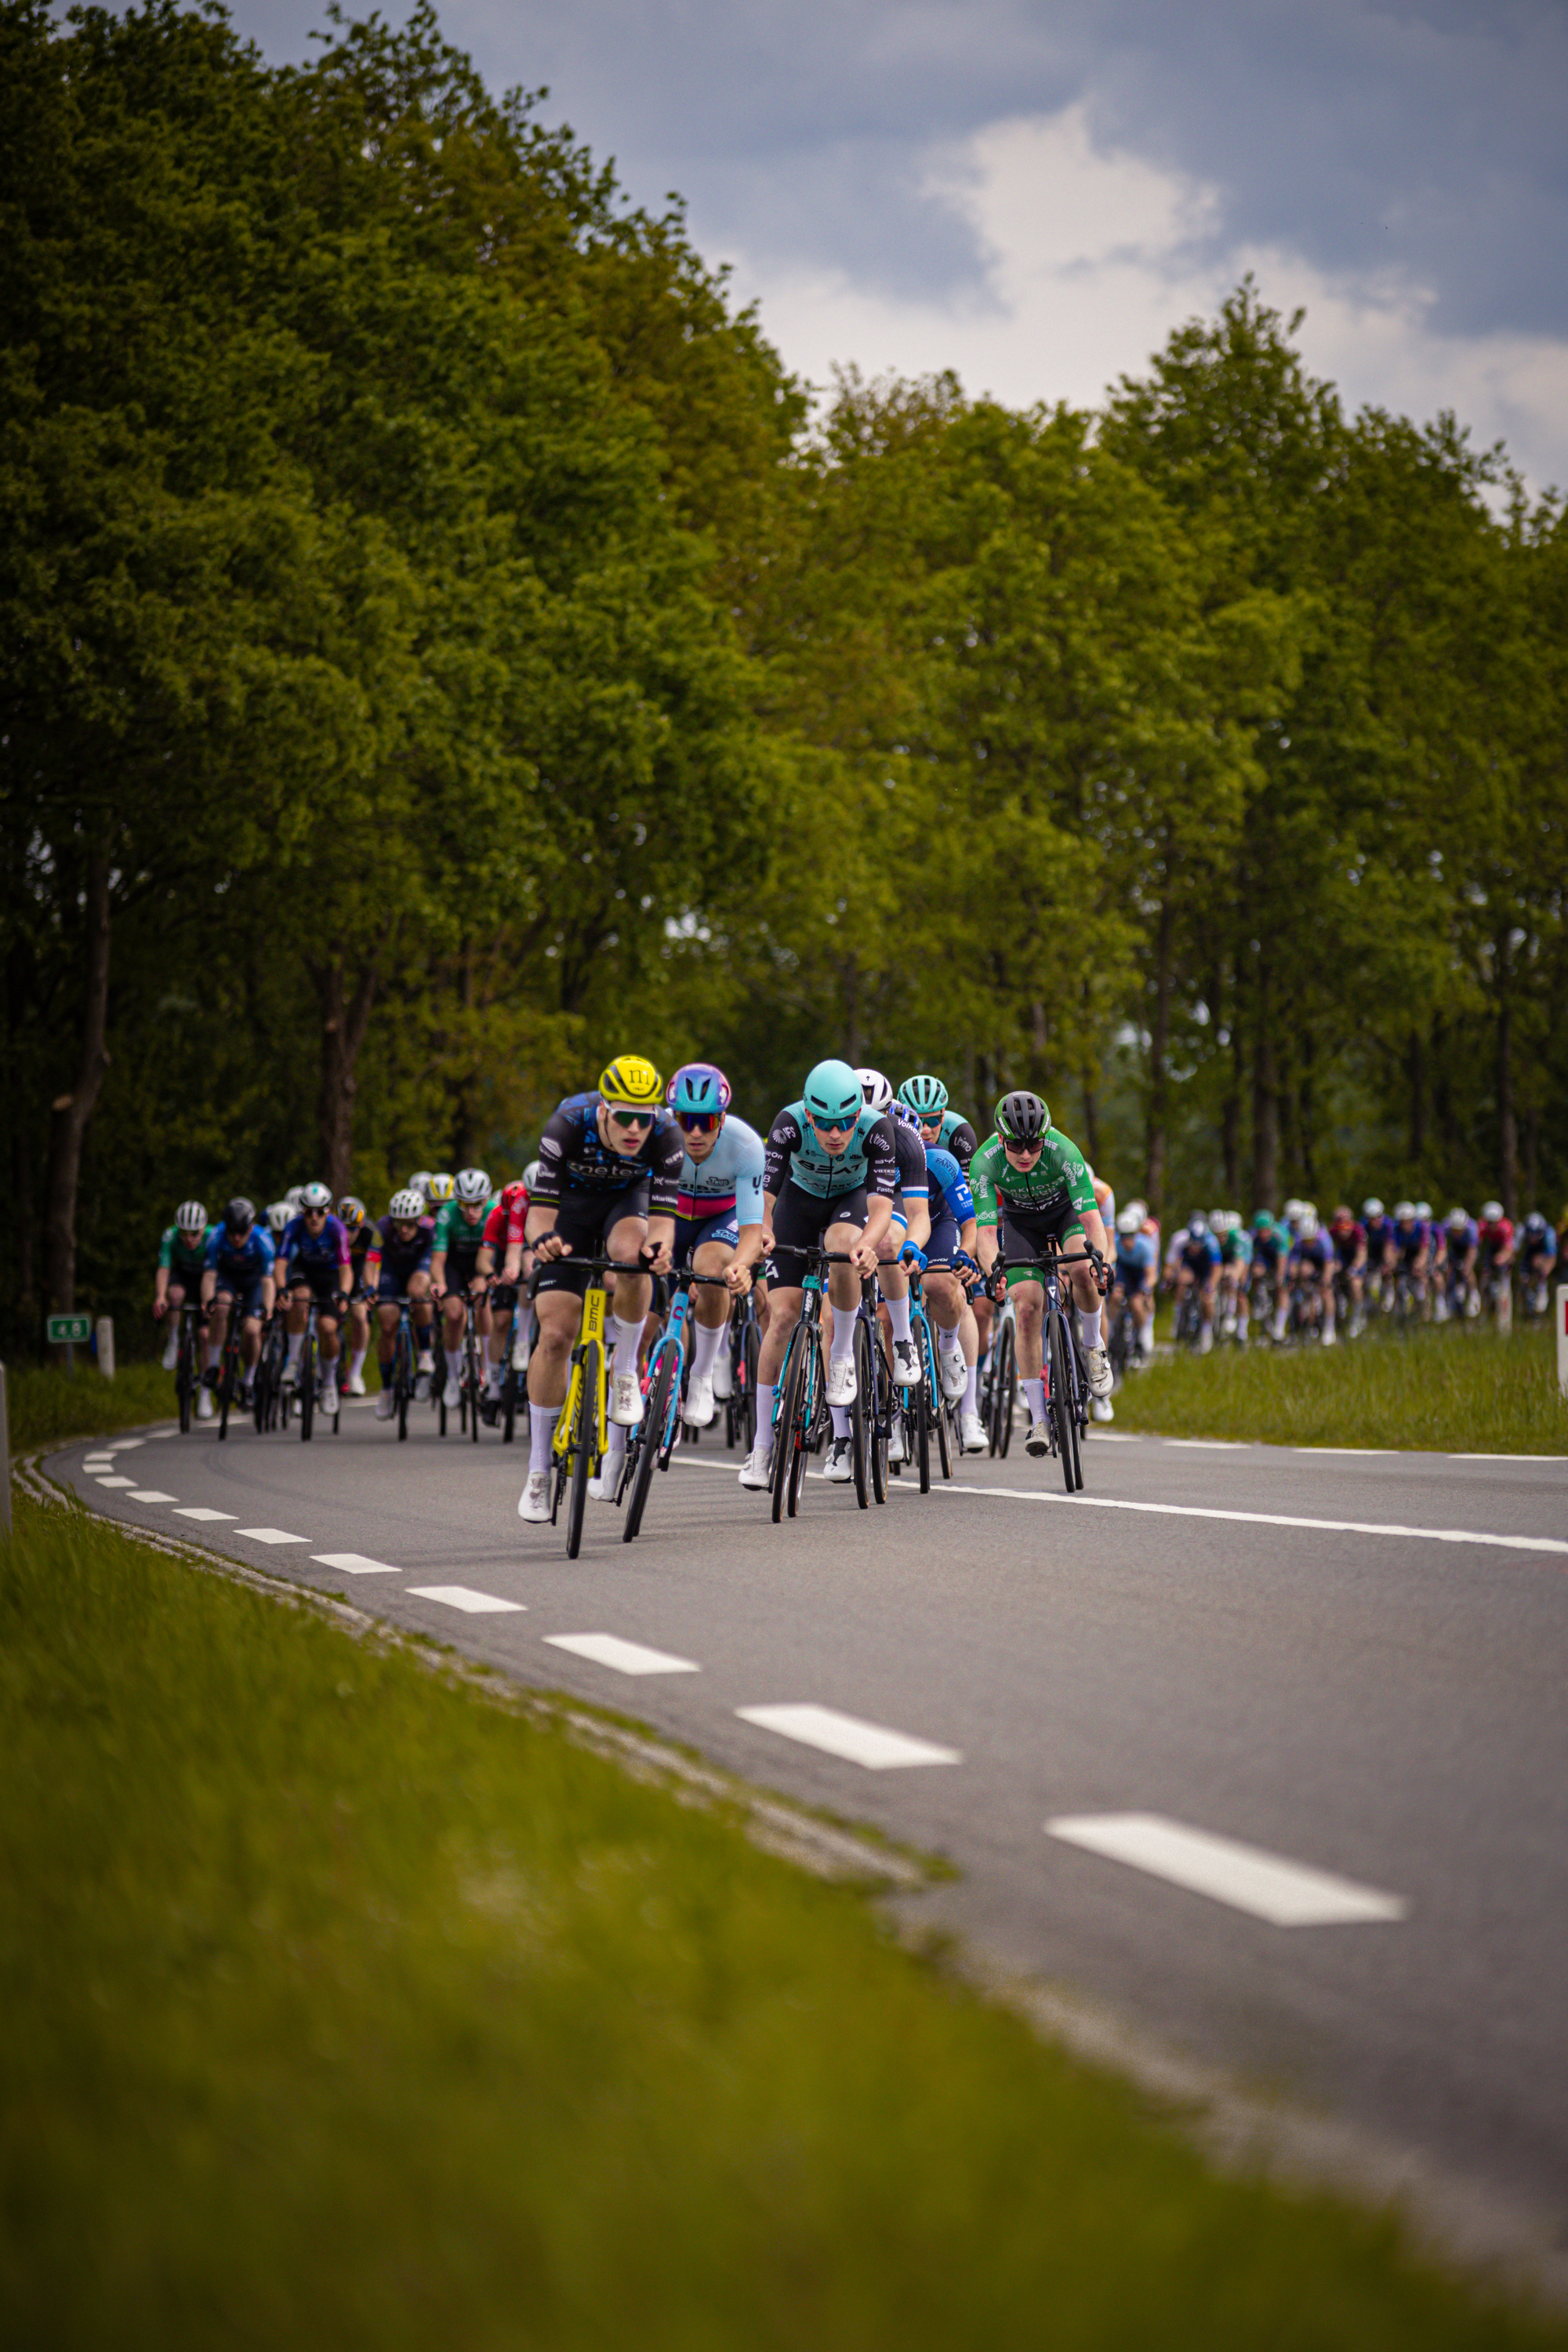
x: 337, y: 2006
x: 1440, y: 1390
x: 47, y: 1406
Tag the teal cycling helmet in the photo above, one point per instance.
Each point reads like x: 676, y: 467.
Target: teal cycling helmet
x: 926, y: 1096
x: 833, y: 1094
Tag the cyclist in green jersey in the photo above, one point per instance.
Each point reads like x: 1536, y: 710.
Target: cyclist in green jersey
x: 1030, y: 1185
x: 181, y: 1254
x: 459, y: 1236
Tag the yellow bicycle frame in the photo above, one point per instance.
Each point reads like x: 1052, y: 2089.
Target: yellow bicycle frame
x: 595, y: 1304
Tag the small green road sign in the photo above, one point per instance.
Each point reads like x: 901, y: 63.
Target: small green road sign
x: 72, y: 1329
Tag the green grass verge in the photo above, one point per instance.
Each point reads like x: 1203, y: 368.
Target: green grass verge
x: 48, y: 1406
x: 1444, y: 1390
x: 338, y: 2007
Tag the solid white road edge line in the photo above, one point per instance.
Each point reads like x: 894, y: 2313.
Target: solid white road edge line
x: 463, y: 1597
x: 624, y: 1657
x: 870, y: 1744
x: 1286, y: 1894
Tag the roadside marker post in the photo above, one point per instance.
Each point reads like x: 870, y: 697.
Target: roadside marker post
x: 105, y: 1328
x: 4, y: 1463
x: 1563, y: 1339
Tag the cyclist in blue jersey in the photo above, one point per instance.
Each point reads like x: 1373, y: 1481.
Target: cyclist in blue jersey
x: 1197, y: 1268
x: 1379, y: 1228
x: 1537, y: 1263
x: 953, y: 1269
x: 943, y: 1129
x: 397, y: 1266
x: 903, y: 1246
x: 315, y: 1265
x: 717, y: 1221
x: 608, y: 1186
x: 237, y: 1278
x: 1412, y: 1248
x: 1136, y: 1273
x: 830, y: 1173
x: 1459, y: 1294
x: 1311, y: 1260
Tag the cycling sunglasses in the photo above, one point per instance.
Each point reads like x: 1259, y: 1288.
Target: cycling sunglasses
x: 832, y: 1126
x: 1020, y: 1148
x: 313, y: 1212
x: 699, y: 1122
x: 634, y: 1118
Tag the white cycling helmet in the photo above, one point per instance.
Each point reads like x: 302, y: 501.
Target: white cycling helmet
x: 1405, y: 1212
x: 278, y: 1213
x: 419, y: 1182
x: 1372, y: 1208
x: 1197, y: 1225
x: 1307, y: 1223
x: 1424, y: 1208
x: 470, y: 1185
x: 295, y: 1197
x: 1491, y: 1212
x: 1457, y: 1220
x: 531, y: 1174
x: 190, y: 1217
x: 316, y: 1196
x: 406, y: 1208
x: 877, y: 1089
x: 1130, y: 1220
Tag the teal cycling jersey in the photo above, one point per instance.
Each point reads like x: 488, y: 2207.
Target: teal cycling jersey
x: 180, y: 1257
x: 870, y: 1158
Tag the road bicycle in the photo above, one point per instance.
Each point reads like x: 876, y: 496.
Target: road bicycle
x: 273, y: 1400
x: 1062, y: 1365
x: 920, y: 1401
x: 405, y: 1380
x: 800, y: 1419
x: 658, y: 1433
x: 519, y: 1350
x: 230, y: 1368
x: 744, y: 1341
x: 577, y: 1450
x: 187, y: 1370
x: 306, y: 1398
x: 999, y: 1386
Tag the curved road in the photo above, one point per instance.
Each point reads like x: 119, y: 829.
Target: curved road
x: 1265, y: 1749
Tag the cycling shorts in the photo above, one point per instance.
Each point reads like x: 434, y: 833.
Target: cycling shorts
x: 690, y: 1233
x: 394, y: 1286
x: 586, y: 1219
x: 322, y: 1281
x: 1022, y: 1234
x: 246, y: 1293
x: 1131, y: 1280
x: 802, y: 1218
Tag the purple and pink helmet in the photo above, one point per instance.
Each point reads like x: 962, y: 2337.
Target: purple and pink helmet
x: 698, y: 1086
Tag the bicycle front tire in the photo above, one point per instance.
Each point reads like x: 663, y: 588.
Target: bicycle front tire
x: 784, y: 1445
x: 585, y: 1440
x: 652, y: 1439
x: 1060, y: 1400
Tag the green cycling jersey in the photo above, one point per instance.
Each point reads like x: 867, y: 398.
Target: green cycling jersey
x: 180, y: 1257
x: 455, y: 1235
x: 1059, y: 1179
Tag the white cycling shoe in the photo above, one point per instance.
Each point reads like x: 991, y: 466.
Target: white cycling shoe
x: 1038, y: 1443
x: 1098, y: 1366
x: 204, y: 1404
x: 354, y: 1385
x: 171, y: 1355
x: 757, y: 1469
x: 385, y: 1405
x: 697, y: 1413
x: 841, y: 1381
x: 971, y: 1433
x: 896, y: 1437
x: 906, y: 1365
x: 840, y: 1463
x: 534, y: 1503
x: 1102, y: 1408
x: 625, y: 1400
x: 955, y: 1373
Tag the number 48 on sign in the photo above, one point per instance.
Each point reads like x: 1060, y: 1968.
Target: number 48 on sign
x: 70, y: 1330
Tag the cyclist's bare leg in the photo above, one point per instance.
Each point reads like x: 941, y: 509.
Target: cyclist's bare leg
x: 559, y: 1313
x: 784, y: 1304
x: 250, y: 1342
x: 218, y: 1328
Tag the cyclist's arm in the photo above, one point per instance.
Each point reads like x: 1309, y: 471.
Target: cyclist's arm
x: 917, y: 1211
x: 268, y: 1294
x: 159, y: 1287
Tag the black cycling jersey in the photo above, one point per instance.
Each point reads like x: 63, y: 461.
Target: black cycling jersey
x: 572, y: 1158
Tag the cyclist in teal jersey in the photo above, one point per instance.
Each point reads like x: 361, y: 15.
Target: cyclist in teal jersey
x: 455, y: 1248
x: 1030, y: 1182
x: 182, y: 1255
x: 830, y: 1170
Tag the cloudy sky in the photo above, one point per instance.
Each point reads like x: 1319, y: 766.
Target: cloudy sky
x: 1035, y: 194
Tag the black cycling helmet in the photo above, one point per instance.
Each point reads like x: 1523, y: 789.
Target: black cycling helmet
x: 240, y: 1216
x: 1022, y: 1118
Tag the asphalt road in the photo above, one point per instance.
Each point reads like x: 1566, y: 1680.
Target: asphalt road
x: 1351, y: 1664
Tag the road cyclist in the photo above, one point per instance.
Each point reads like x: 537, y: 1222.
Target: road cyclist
x: 1347, y: 1237
x: 176, y: 1283
x: 830, y: 1173
x: 355, y: 1220
x: 315, y: 1275
x: 1495, y: 1261
x: 1134, y: 1273
x: 507, y: 1260
x: 608, y: 1186
x: 458, y: 1285
x: 397, y: 1267
x: 1537, y: 1265
x: 1458, y: 1294
x: 237, y: 1280
x: 902, y: 1250
x: 1196, y: 1260
x: 1234, y: 1306
x: 718, y: 1225
x: 1032, y: 1187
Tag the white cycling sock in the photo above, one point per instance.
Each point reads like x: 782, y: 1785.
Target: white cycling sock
x: 947, y: 1342
x: 1035, y: 1397
x: 1329, y: 1312
x: 1146, y: 1337
x: 1280, y: 1315
x: 356, y: 1362
x: 296, y: 1341
x: 705, y: 1338
x: 972, y: 1393
x: 841, y: 1420
x: 542, y: 1420
x: 898, y: 1316
x: 614, y: 1441
x: 1088, y: 1331
x: 843, y: 1347
x: 765, y: 1413
x: 453, y: 1364
x: 628, y: 1339
x: 494, y: 1374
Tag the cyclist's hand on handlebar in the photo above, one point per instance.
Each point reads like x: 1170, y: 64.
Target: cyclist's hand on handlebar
x: 159, y: 1308
x: 769, y: 1243
x: 657, y: 1257
x: 912, y: 1254
x: 738, y: 1278
x: 550, y: 1247
x: 863, y: 1257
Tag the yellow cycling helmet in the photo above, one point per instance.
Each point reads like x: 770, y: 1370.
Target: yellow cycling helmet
x: 633, y: 1083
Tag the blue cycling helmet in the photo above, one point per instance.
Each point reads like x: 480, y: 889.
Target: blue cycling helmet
x: 832, y: 1094
x: 698, y: 1086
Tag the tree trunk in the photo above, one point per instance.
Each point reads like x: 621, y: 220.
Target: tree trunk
x: 1532, y: 1159
x: 1265, y: 1106
x: 70, y: 1113
x: 1154, y: 1124
x: 1418, y: 1077
x: 1230, y: 1122
x: 344, y: 1020
x: 1508, y: 1125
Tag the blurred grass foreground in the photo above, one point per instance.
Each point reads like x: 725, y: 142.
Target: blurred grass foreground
x: 341, y: 2007
x: 1445, y: 1390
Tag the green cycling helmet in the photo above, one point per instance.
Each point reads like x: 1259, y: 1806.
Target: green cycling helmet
x: 926, y: 1096
x: 1022, y: 1118
x: 832, y: 1094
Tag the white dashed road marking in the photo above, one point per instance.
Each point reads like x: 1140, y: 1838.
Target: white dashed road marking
x: 270, y: 1535
x: 871, y: 1744
x: 460, y: 1596
x: 353, y: 1563
x: 1286, y: 1894
x: 201, y: 1511
x: 149, y: 1495
x: 624, y: 1657
x: 116, y: 1481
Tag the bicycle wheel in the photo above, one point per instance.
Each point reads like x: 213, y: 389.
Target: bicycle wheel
x: 862, y: 1412
x: 226, y: 1376
x: 185, y: 1379
x: 943, y: 1434
x: 1059, y: 1403
x: 1004, y: 1390
x: 881, y: 1410
x: 474, y: 1378
x: 655, y: 1416
x: 585, y: 1443
x: 752, y: 1357
x: 786, y: 1437
x: 307, y: 1390
x: 812, y: 1418
x: 403, y: 1380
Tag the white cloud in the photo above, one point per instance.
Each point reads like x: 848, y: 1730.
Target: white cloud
x: 1092, y: 259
